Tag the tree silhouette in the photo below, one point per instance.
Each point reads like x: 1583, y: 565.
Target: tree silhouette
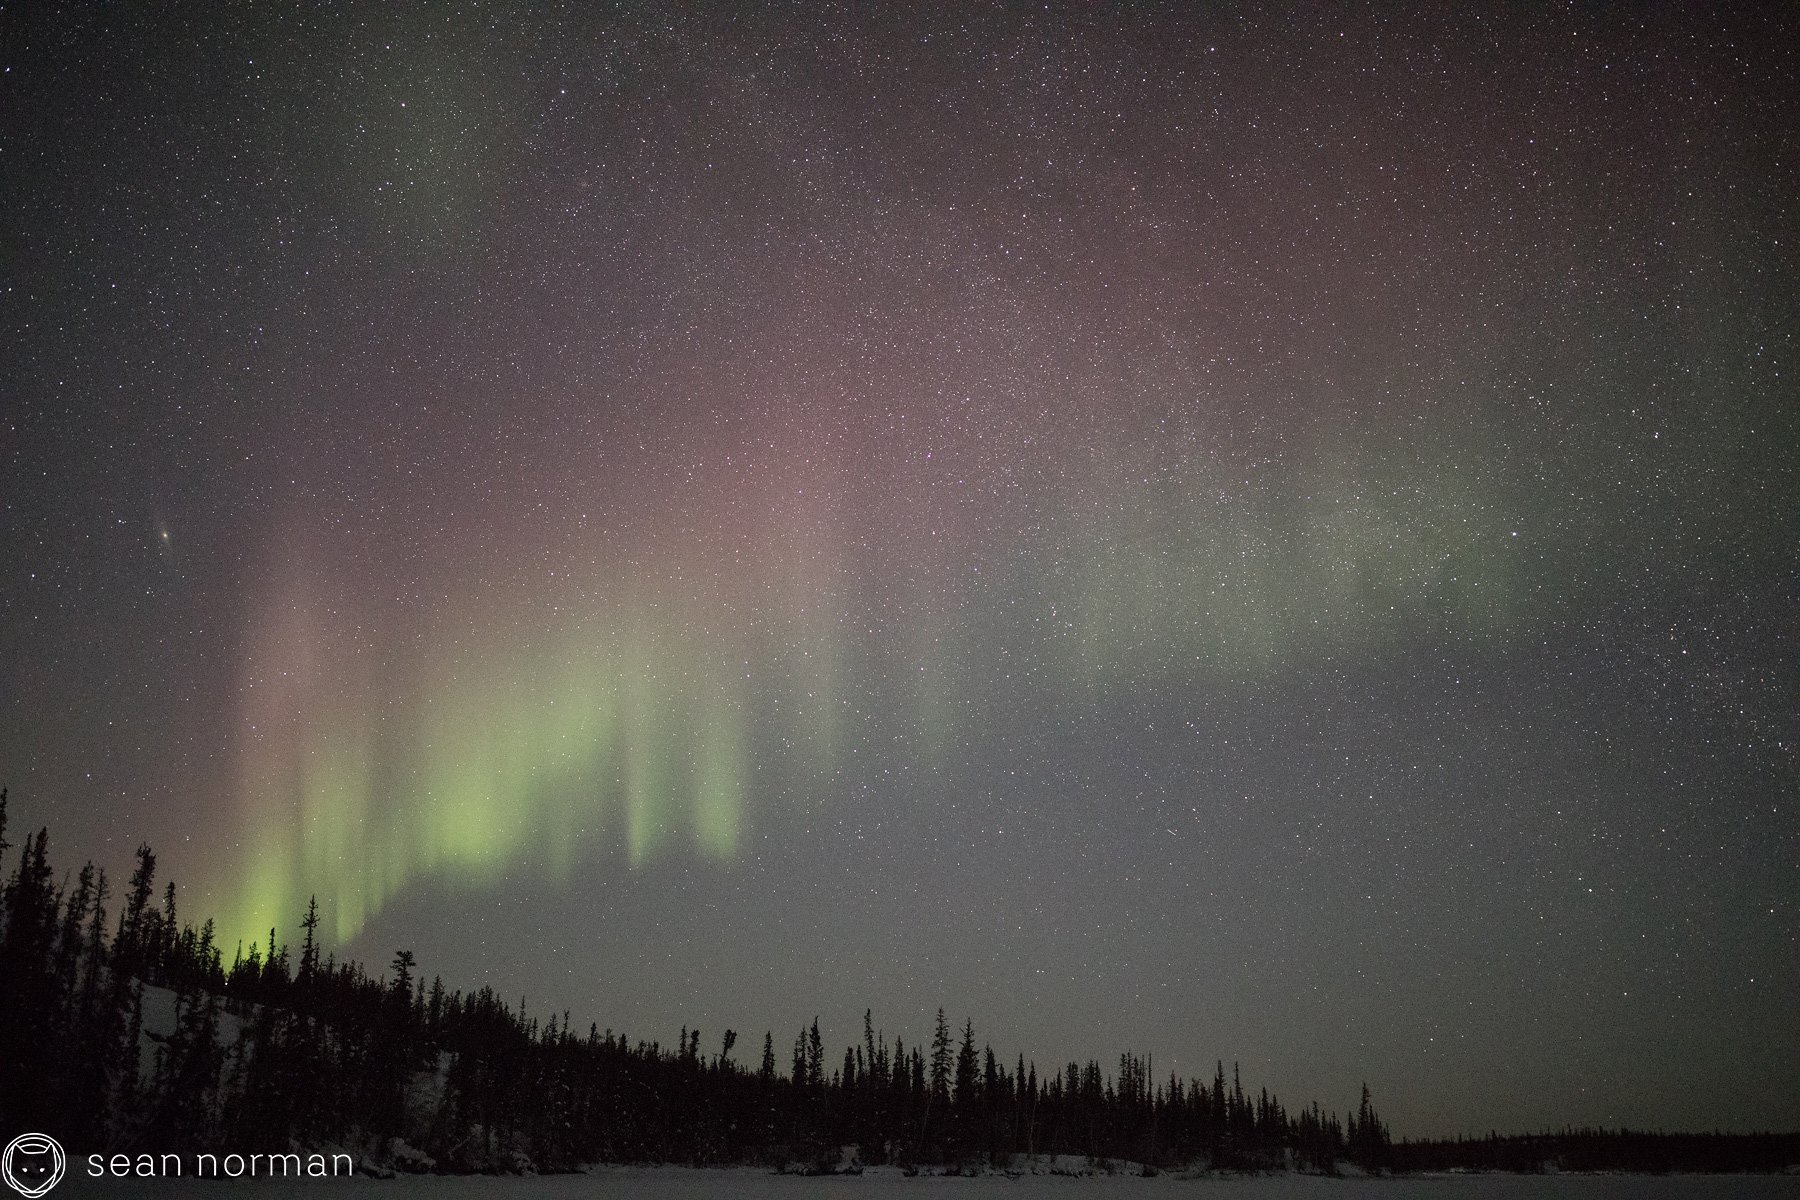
x: 265, y: 1055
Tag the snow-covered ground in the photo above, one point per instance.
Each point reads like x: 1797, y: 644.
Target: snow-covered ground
x: 675, y: 1183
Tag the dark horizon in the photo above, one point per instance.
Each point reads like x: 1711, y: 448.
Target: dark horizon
x: 1262, y: 537
x: 292, y: 1047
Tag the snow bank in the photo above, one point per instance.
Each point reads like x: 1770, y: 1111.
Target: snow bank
x: 678, y: 1183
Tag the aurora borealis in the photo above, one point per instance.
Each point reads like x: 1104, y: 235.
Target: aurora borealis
x: 1246, y: 534
x: 629, y: 702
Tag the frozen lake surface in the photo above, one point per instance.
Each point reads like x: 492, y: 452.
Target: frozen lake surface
x: 675, y: 1183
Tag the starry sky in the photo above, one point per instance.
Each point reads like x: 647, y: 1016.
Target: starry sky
x: 1262, y: 533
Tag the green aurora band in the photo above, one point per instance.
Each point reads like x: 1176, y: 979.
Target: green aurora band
x: 657, y: 698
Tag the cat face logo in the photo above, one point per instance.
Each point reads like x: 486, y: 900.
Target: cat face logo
x: 33, y: 1164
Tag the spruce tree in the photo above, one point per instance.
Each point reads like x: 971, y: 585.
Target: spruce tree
x: 30, y: 1015
x: 309, y: 949
x: 940, y: 1060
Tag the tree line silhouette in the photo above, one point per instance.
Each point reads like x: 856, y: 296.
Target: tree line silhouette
x: 134, y: 1035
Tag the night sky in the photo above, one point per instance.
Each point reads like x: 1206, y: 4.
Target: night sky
x: 1262, y: 534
